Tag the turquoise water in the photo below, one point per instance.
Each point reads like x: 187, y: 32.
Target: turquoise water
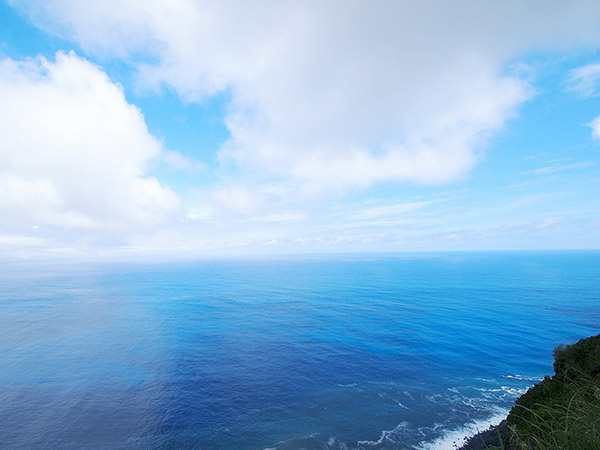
x: 365, y: 352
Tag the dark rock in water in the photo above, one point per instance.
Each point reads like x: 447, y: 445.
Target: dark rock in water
x: 489, y: 438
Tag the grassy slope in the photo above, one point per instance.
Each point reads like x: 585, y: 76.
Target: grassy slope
x: 561, y: 412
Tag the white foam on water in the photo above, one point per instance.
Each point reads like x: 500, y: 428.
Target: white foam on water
x: 523, y: 378
x: 384, y: 435
x: 505, y: 390
x: 401, y: 405
x: 454, y: 439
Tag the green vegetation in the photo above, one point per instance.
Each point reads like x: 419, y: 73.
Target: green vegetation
x: 560, y: 412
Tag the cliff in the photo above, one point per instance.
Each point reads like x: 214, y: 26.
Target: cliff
x: 560, y: 412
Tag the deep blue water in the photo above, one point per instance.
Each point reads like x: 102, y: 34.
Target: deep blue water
x: 380, y: 352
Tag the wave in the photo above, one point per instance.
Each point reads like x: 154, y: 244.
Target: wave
x: 450, y: 416
x: 523, y: 378
x: 450, y: 439
x: 455, y: 438
x: 384, y: 435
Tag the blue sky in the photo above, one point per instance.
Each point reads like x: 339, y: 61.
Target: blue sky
x: 201, y: 129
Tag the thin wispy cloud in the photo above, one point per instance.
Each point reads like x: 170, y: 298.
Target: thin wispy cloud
x: 390, y: 210
x: 559, y: 168
x: 585, y: 80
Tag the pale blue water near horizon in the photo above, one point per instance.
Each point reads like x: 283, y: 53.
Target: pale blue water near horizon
x: 341, y: 352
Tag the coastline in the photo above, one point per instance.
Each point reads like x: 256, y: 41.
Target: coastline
x: 494, y: 436
x: 568, y: 398
x: 459, y: 438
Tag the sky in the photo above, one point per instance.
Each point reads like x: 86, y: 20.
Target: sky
x: 190, y: 129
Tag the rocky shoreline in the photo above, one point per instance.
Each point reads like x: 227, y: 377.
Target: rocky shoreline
x: 495, y: 436
x: 570, y: 398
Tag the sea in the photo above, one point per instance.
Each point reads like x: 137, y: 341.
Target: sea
x: 366, y: 352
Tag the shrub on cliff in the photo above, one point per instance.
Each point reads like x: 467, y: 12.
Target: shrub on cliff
x: 562, y: 412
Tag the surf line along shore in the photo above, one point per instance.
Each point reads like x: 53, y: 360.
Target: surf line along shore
x: 562, y: 411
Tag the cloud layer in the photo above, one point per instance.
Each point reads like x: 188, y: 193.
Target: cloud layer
x: 335, y: 95
x: 73, y: 151
x: 326, y: 103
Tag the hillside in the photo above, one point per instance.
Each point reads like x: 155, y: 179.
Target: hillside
x: 560, y: 412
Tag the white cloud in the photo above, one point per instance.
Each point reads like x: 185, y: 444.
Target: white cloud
x: 73, y: 151
x: 324, y: 97
x: 235, y: 201
x: 396, y: 209
x: 595, y: 126
x: 584, y: 80
x: 336, y: 95
x: 182, y: 162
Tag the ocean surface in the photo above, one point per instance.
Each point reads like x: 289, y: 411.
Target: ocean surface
x: 346, y: 352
